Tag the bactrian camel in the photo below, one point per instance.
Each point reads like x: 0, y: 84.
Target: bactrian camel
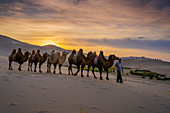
x: 56, y: 59
x: 18, y: 57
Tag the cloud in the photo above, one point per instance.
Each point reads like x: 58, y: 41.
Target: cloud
x: 113, y: 19
x: 162, y: 46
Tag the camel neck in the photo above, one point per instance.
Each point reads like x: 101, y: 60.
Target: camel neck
x: 108, y: 63
x: 25, y: 58
x: 44, y: 59
x: 62, y: 59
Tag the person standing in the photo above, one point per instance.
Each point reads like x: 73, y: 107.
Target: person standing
x: 119, y: 69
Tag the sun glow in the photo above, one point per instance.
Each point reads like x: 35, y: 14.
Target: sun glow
x: 49, y: 42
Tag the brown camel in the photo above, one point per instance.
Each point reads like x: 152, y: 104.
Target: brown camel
x: 56, y: 58
x: 103, y: 62
x: 39, y: 59
x: 62, y: 59
x: 31, y: 60
x: 18, y: 57
x: 75, y: 59
x: 109, y: 63
x: 42, y: 60
x: 52, y: 59
x: 87, y: 61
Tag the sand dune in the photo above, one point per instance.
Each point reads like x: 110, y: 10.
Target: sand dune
x: 7, y: 44
x: 149, y: 64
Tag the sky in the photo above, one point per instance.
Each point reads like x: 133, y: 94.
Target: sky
x: 120, y: 27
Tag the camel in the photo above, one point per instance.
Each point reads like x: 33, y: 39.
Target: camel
x: 75, y: 59
x: 87, y: 61
x: 31, y: 60
x: 109, y: 63
x: 98, y: 62
x: 42, y: 60
x: 103, y: 62
x: 18, y: 57
x: 37, y: 59
x: 55, y: 58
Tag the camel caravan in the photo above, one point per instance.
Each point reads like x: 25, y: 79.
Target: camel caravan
x: 58, y: 58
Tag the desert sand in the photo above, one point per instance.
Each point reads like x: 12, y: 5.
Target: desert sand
x: 29, y: 92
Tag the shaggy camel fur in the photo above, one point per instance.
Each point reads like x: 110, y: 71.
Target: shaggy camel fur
x: 103, y: 62
x: 42, y: 60
x: 31, y: 60
x: 56, y: 58
x: 18, y: 57
x: 37, y: 59
x: 76, y: 60
x: 87, y: 61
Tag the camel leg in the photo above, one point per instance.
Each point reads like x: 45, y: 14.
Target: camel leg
x: 35, y: 66
x: 19, y: 67
x: 31, y: 66
x: 60, y: 65
x: 88, y: 70
x: 49, y: 68
x: 78, y: 69
x: 54, y: 68
x: 48, y: 65
x: 107, y: 77
x: 82, y: 67
x: 93, y: 72
x: 28, y: 65
x: 100, y: 69
x: 40, y: 67
x: 69, y: 70
x: 10, y: 68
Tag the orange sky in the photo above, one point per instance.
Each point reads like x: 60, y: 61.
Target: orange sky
x: 77, y: 23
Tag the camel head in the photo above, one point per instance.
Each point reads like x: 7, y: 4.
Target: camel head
x: 94, y: 54
x: 113, y: 57
x: 65, y: 52
x: 45, y: 55
x: 53, y: 51
x: 27, y: 53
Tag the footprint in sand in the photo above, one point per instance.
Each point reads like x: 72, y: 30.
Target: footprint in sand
x: 6, y: 79
x: 13, y: 104
x: 94, y: 107
x: 43, y: 111
x: 141, y: 106
x: 44, y: 88
x: 32, y: 86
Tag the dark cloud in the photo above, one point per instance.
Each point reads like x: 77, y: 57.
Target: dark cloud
x: 150, y: 45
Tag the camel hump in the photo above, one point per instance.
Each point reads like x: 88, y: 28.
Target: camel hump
x: 58, y: 53
x: 14, y: 51
x: 54, y: 55
x: 52, y: 52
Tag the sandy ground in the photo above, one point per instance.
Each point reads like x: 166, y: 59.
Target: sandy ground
x: 29, y: 92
